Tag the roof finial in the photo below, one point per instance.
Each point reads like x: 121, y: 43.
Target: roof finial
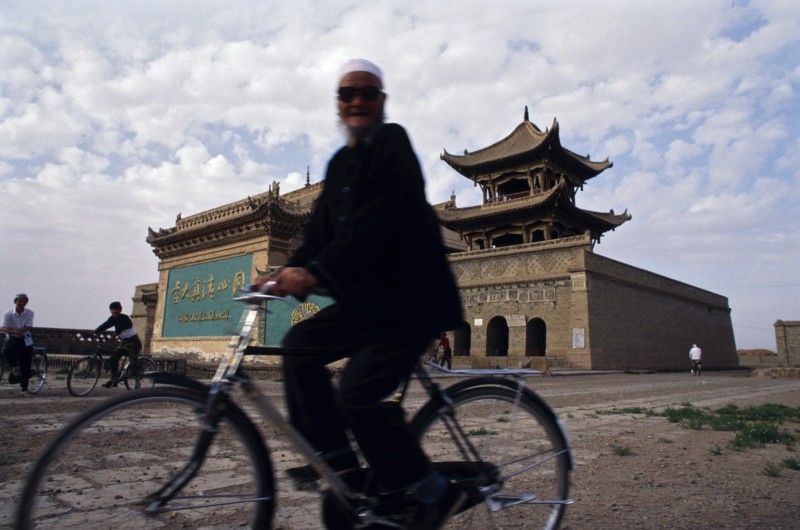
x: 308, y: 176
x: 526, y: 113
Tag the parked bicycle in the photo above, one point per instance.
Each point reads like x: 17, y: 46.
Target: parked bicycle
x: 193, y: 456
x: 39, y: 366
x: 85, y: 372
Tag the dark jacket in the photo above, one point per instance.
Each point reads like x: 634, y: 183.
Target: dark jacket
x: 120, y: 324
x: 374, y: 241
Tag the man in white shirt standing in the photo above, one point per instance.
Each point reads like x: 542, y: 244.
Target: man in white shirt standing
x: 17, y: 325
x: 695, y: 354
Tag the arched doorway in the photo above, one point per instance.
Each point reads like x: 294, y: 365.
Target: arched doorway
x: 462, y: 340
x: 535, y: 338
x: 497, y: 337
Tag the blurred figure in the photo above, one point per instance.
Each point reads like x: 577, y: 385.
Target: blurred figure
x: 695, y: 354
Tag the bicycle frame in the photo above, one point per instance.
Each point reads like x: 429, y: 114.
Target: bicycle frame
x: 226, y: 376
x: 103, y: 354
x: 355, y: 504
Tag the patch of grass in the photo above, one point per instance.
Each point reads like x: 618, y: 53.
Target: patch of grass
x: 791, y: 463
x: 758, y: 434
x: 726, y: 423
x: 770, y: 412
x: 483, y: 431
x: 622, y: 450
x: 754, y: 426
x: 716, y: 450
x: 696, y: 424
x: 684, y: 414
x: 7, y: 460
x: 664, y: 440
x: 771, y: 470
x: 503, y: 419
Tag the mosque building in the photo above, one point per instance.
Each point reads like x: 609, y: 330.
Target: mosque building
x: 532, y: 286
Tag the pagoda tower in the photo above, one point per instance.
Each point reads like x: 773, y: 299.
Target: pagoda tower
x: 533, y: 289
x: 529, y: 182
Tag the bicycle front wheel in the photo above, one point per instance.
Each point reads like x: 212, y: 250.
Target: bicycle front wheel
x: 521, y: 479
x: 83, y: 375
x: 134, y: 373
x: 107, y: 466
x: 38, y: 372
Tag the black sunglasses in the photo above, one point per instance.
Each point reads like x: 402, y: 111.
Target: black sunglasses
x: 349, y: 93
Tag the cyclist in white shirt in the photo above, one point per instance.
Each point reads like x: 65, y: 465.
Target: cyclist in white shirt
x: 17, y: 324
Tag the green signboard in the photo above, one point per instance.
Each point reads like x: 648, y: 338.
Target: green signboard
x: 199, y: 301
x: 281, y: 316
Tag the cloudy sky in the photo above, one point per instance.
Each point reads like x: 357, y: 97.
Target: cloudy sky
x: 116, y: 116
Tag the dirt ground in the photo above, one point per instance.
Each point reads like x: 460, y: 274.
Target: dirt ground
x: 673, y: 477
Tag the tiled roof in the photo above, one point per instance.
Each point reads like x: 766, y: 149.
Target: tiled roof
x: 525, y: 143
x: 538, y: 205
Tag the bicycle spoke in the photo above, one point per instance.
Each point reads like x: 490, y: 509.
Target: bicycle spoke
x: 523, y: 444
x: 136, y: 442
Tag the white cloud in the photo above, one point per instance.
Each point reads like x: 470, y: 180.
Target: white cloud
x: 115, y: 116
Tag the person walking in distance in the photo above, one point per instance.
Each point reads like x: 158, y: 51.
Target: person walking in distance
x: 445, y: 352
x: 18, y: 350
x: 695, y: 354
x: 372, y: 242
x: 126, y: 333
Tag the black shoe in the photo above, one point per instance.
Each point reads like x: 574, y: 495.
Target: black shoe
x: 434, y: 516
x: 110, y: 384
x: 13, y: 379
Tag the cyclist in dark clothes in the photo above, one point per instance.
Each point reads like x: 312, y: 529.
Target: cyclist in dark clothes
x: 126, y: 333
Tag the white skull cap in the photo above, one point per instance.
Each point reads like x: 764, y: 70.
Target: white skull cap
x: 360, y: 65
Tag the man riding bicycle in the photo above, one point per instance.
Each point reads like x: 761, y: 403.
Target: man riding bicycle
x: 130, y: 343
x: 374, y: 243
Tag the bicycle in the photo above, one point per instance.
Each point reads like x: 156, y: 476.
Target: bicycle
x: 435, y: 357
x: 85, y: 372
x: 39, y: 365
x: 493, y: 436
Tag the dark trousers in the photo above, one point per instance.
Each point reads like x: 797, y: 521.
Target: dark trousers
x: 373, y: 372
x: 19, y: 355
x: 447, y: 358
x: 130, y: 347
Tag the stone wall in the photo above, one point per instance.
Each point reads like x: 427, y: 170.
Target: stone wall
x: 65, y: 341
x: 641, y: 320
x: 143, y: 313
x: 787, y: 337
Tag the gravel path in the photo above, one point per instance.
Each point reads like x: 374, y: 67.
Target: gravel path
x: 672, y: 477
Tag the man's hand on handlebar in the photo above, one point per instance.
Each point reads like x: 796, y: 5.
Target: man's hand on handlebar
x: 295, y: 281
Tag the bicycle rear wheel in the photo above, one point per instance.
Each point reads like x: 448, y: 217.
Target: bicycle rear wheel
x: 134, y: 375
x: 102, y: 469
x: 83, y: 375
x: 522, y: 480
x: 38, y: 372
